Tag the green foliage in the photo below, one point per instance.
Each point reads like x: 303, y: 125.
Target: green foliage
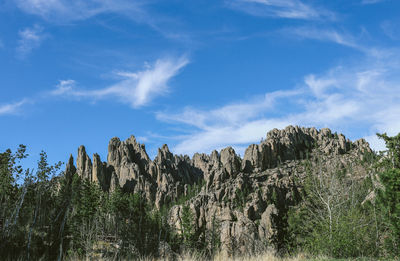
x: 215, y: 239
x: 240, y: 198
x: 52, y: 214
x: 10, y: 172
x: 331, y: 220
x: 192, y: 191
x: 46, y: 171
x: 388, y: 198
x: 136, y: 225
x: 85, y: 199
x: 187, y: 228
x: 46, y: 215
x: 389, y: 203
x: 273, y: 199
x: 393, y: 150
x: 26, y: 208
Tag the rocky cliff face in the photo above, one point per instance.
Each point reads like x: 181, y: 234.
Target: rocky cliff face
x: 248, y: 197
x: 129, y: 167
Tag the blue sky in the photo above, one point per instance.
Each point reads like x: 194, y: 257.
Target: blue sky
x: 197, y: 75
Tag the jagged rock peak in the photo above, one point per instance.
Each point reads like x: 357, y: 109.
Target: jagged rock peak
x: 83, y: 164
x: 230, y: 161
x: 293, y: 143
x: 129, y: 150
x: 163, y: 154
x: 101, y: 173
x: 139, y: 148
x: 113, y: 154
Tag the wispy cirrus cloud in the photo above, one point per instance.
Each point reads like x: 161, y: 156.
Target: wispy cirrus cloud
x: 134, y: 88
x: 12, y: 108
x: 229, y: 115
x: 29, y: 39
x: 64, y: 10
x: 322, y: 34
x: 339, y: 37
x: 290, y: 9
x: 368, y: 2
x: 391, y: 29
x: 233, y: 124
x: 362, y: 96
x: 64, y: 87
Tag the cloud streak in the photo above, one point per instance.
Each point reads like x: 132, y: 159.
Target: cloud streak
x: 362, y: 97
x: 369, y: 2
x: 134, y: 88
x: 289, y: 9
x: 12, y: 108
x: 29, y: 39
x: 327, y: 35
x: 65, y: 11
x: 330, y: 35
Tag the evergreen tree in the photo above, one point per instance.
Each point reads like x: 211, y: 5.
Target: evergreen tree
x: 331, y: 220
x: 388, y: 198
x: 187, y: 228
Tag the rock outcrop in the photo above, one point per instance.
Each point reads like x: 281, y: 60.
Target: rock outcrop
x: 84, y: 164
x: 248, y: 197
x: 129, y: 168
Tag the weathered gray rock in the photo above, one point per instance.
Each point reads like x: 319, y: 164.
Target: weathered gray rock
x: 83, y: 164
x: 267, y: 226
x: 294, y: 143
x: 244, y: 200
x: 101, y: 174
x: 230, y: 161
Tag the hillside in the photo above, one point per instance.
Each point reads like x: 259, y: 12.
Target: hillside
x: 247, y: 199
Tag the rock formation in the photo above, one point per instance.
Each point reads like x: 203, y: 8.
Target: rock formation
x: 129, y: 167
x: 247, y: 196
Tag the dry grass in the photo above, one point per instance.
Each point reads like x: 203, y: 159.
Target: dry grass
x: 222, y: 257
x: 266, y: 256
x: 263, y: 257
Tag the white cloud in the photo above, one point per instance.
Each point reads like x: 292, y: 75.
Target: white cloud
x: 29, y: 39
x: 135, y: 88
x: 233, y: 124
x: 291, y: 9
x: 228, y: 115
x: 390, y: 29
x: 368, y: 2
x: 64, y: 87
x: 65, y: 10
x: 359, y: 99
x: 338, y: 37
x: 328, y: 35
x: 12, y: 108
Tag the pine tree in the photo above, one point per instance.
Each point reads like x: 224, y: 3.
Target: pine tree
x: 389, y: 198
x: 187, y: 228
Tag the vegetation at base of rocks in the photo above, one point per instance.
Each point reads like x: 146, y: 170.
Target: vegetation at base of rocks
x: 192, y: 190
x: 265, y: 256
x: 51, y: 215
x: 240, y: 198
x: 335, y: 219
x: 47, y: 214
x: 388, y: 198
x: 50, y: 218
x: 331, y: 219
